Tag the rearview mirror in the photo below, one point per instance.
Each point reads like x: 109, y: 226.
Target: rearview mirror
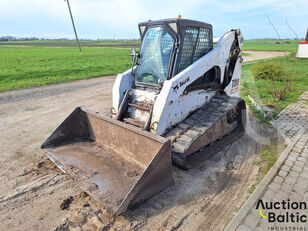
x: 133, y: 54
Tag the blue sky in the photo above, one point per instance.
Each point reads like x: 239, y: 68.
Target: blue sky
x: 119, y: 18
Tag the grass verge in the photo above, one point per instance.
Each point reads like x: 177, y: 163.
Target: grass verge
x: 32, y: 65
x: 261, y: 89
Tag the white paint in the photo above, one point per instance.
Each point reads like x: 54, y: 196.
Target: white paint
x: 233, y: 89
x: 215, y: 40
x: 163, y: 109
x: 186, y: 104
x: 123, y: 82
x: 172, y: 105
x: 302, y: 51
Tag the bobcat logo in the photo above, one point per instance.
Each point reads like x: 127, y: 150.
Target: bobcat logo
x: 182, y: 83
x: 175, y: 88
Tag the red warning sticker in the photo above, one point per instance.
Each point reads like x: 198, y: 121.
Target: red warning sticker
x: 234, y: 90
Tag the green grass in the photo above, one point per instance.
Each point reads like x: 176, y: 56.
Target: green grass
x: 136, y: 44
x: 118, y: 42
x: 40, y: 65
x: 259, y: 89
x: 264, y: 45
x: 83, y: 43
x: 42, y: 216
x: 35, y: 41
x: 268, y: 157
x: 37, y: 66
x: 254, y: 45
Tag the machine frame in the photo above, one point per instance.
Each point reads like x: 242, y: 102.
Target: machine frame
x: 172, y: 103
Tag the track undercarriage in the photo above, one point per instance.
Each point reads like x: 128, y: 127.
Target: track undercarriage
x: 207, y: 130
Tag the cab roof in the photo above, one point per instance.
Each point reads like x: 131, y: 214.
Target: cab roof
x: 181, y: 22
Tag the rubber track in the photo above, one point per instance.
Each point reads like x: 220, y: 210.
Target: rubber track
x: 186, y: 133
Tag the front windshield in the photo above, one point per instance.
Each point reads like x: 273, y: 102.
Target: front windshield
x: 155, y: 53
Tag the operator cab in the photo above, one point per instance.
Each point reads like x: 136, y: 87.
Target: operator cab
x: 169, y: 46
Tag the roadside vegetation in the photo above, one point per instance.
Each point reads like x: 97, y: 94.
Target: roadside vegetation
x: 267, y: 158
x: 274, y: 84
x: 59, y: 61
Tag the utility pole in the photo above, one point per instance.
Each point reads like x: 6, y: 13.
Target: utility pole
x: 69, y: 8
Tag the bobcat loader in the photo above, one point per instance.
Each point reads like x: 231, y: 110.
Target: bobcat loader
x: 177, y: 104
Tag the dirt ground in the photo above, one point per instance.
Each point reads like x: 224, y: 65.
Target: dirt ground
x: 257, y: 55
x: 35, y: 195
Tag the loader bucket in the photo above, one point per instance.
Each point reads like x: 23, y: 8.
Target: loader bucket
x: 118, y: 164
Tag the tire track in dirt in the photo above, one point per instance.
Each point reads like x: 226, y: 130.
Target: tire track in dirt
x: 29, y: 195
x: 211, y: 212
x: 203, y: 198
x: 32, y: 190
x: 33, y: 193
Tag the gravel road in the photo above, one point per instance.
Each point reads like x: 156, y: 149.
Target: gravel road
x: 258, y: 55
x: 32, y: 190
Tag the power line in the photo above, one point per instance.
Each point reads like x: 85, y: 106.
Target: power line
x: 69, y: 8
x: 273, y: 26
x: 292, y: 30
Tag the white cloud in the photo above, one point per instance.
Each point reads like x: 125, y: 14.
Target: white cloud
x: 105, y: 18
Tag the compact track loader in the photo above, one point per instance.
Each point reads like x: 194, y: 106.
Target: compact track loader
x: 177, y: 104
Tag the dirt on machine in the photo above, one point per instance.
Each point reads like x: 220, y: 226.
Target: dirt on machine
x: 181, y: 96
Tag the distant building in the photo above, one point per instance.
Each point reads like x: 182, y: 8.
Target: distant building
x: 7, y: 38
x: 302, y: 51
